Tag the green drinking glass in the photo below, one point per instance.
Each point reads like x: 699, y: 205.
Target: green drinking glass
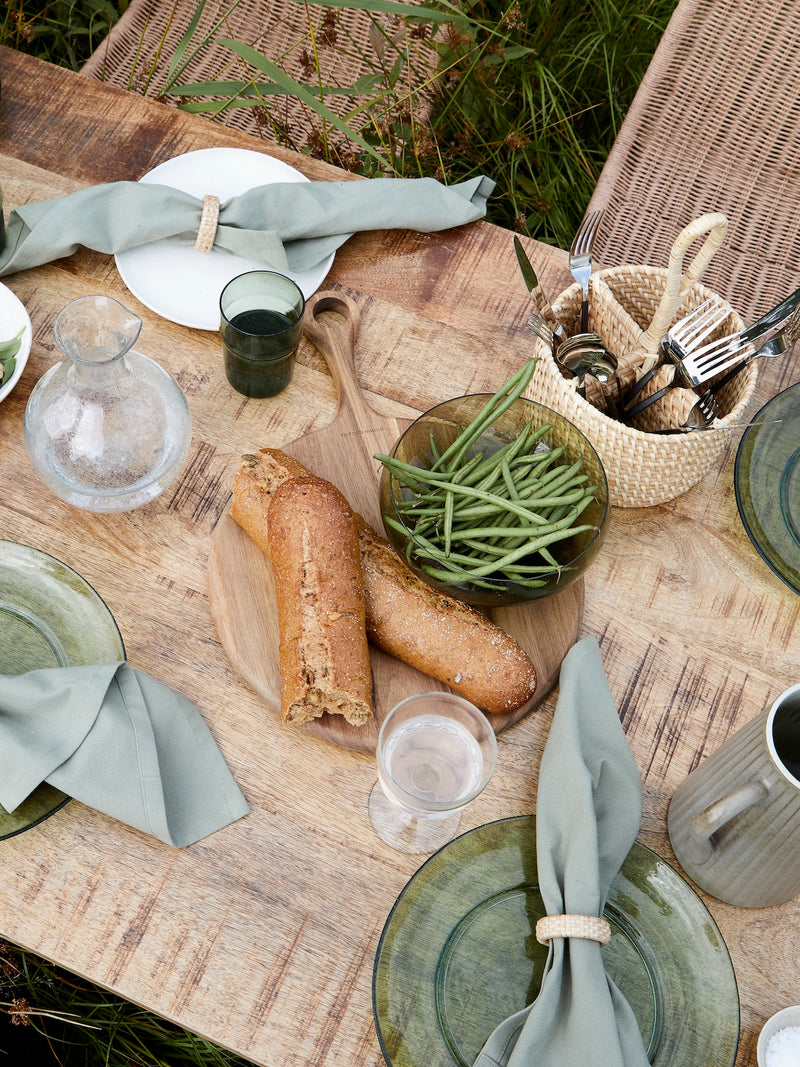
x: 261, y: 325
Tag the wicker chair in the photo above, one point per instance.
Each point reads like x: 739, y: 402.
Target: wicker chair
x: 714, y: 126
x: 306, y: 41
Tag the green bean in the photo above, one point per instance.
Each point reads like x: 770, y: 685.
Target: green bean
x: 448, y: 521
x: 513, y: 492
x: 522, y: 532
x: 498, y: 552
x: 408, y: 471
x: 499, y: 403
x: 527, y: 438
x: 462, y: 577
x: 455, y: 559
x: 491, y: 498
x: 432, y: 551
x: 564, y: 498
x: 492, y: 504
x: 542, y: 480
x: 571, y: 472
x: 494, y: 515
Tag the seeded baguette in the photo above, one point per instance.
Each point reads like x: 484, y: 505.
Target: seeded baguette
x: 405, y: 617
x: 324, y: 656
x: 439, y: 635
x: 254, y: 483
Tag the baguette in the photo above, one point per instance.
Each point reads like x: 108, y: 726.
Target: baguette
x: 254, y: 483
x: 324, y: 656
x: 439, y: 635
x: 405, y: 617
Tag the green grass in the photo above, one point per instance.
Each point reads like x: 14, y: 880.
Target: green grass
x: 55, y: 1018
x: 530, y: 92
x: 64, y: 32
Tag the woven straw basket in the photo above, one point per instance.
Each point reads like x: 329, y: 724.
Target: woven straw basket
x: 643, y: 467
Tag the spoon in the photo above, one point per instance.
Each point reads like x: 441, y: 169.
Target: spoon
x: 584, y: 355
x: 590, y: 357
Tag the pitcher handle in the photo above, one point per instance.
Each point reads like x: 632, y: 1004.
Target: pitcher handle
x: 712, y: 819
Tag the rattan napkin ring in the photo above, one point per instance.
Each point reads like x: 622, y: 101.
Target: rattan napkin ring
x: 207, y: 230
x: 590, y: 927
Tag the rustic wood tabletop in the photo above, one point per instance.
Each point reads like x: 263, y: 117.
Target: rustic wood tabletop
x: 262, y: 936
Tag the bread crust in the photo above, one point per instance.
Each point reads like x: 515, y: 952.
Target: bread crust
x: 253, y: 485
x: 439, y: 635
x: 324, y: 655
x: 405, y: 617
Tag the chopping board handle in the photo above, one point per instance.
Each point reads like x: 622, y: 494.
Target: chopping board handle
x: 335, y: 337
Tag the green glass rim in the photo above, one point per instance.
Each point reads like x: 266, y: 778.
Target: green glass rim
x: 548, y: 415
x: 774, y: 535
x: 690, y: 1007
x: 106, y: 644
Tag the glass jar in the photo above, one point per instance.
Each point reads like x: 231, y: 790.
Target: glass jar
x: 107, y: 429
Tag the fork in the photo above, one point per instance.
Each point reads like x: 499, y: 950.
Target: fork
x: 701, y: 416
x: 703, y: 412
x: 683, y: 346
x: 776, y: 347
x: 687, y: 334
x: 538, y: 326
x: 580, y: 259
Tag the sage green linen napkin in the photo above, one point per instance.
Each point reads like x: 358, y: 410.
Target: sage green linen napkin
x: 120, y: 742
x: 285, y: 226
x: 588, y: 812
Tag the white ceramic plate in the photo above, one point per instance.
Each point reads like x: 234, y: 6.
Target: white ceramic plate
x: 178, y: 282
x: 13, y: 317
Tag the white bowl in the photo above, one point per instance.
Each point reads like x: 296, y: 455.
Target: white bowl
x: 781, y: 1019
x: 13, y: 317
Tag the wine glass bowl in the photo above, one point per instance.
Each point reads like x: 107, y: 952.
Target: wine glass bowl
x: 436, y: 752
x: 430, y: 435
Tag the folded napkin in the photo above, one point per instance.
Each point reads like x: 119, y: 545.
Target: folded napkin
x: 285, y: 226
x: 120, y: 742
x: 588, y: 812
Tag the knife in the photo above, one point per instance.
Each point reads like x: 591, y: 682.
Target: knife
x: 778, y: 317
x: 782, y: 323
x: 535, y: 290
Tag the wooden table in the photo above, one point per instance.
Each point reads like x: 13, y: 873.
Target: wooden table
x: 262, y: 936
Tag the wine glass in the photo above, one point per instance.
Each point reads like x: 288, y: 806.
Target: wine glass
x: 436, y: 752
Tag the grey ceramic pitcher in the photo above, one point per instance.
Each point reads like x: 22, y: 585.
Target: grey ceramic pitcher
x: 734, y: 824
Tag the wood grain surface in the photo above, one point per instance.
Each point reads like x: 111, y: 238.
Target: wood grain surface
x: 262, y: 936
x: 241, y: 585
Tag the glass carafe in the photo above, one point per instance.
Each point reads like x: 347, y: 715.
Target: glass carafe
x: 107, y: 429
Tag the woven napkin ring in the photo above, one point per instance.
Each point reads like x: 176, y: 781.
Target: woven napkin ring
x: 207, y: 230
x: 588, y: 926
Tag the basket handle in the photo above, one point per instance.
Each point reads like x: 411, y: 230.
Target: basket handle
x: 680, y: 281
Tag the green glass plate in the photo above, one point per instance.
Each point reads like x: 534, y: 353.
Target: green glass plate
x: 767, y: 481
x: 458, y: 954
x: 49, y: 617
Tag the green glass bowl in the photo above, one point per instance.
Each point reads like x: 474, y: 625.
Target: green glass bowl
x: 440, y: 426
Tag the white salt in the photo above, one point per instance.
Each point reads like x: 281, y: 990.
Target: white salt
x: 783, y: 1048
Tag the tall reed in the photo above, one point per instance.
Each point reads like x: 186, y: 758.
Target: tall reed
x: 530, y: 92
